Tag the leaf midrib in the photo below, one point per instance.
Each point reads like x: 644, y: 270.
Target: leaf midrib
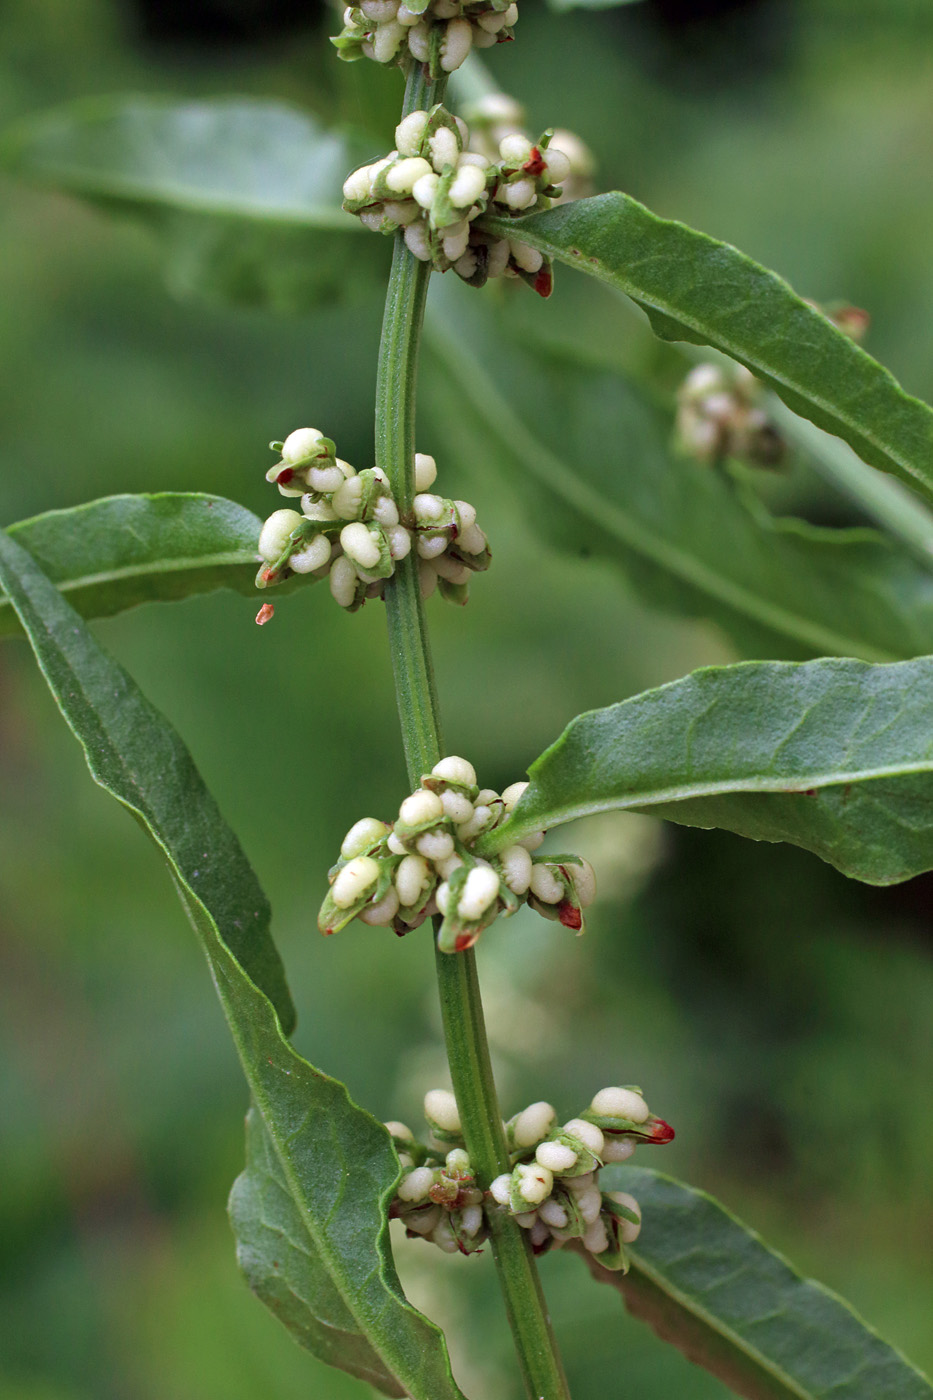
x: 500, y: 419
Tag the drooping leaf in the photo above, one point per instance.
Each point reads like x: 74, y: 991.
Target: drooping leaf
x: 245, y: 194
x: 596, y: 472
x: 112, y: 554
x: 696, y: 289
x: 835, y: 756
x: 711, y: 1286
x: 321, y: 1170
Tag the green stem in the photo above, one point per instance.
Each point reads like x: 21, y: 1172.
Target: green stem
x: 416, y: 693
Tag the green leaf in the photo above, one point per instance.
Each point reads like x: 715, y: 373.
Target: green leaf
x: 112, y: 554
x: 697, y: 289
x: 711, y: 1286
x: 835, y: 756
x: 334, y: 1163
x: 597, y: 474
x: 245, y: 194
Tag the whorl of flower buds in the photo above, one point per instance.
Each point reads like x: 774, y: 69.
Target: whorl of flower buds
x: 349, y: 529
x: 551, y: 1189
x: 434, y: 189
x: 719, y: 415
x: 496, y: 116
x: 397, y: 875
x: 437, y: 33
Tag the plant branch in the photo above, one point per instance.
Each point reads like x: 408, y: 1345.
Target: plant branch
x: 416, y: 693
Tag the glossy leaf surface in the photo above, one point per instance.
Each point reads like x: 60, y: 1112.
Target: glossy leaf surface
x: 115, y: 553
x: 591, y: 456
x: 245, y: 194
x: 835, y: 756
x: 320, y: 1169
x: 711, y: 1286
x: 695, y: 288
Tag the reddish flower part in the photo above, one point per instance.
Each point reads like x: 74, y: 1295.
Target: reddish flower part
x: 264, y: 614
x: 534, y: 165
x: 570, y: 915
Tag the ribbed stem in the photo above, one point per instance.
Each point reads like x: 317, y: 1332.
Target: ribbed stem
x: 416, y: 694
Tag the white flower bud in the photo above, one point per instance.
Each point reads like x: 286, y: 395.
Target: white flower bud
x: 379, y: 11
x: 445, y: 9
x: 419, y: 41
x: 425, y: 188
x: 421, y: 808
x: 498, y: 257
x: 558, y: 165
x: 399, y: 1130
x: 451, y: 569
x: 343, y: 582
x: 428, y: 508
x: 325, y: 479
x: 410, y: 131
x: 357, y: 186
x: 477, y: 823
x: 467, y: 515
x: 401, y: 211
x: 473, y: 158
x: 402, y: 176
x: 381, y: 914
x: 454, y: 769
x: 628, y: 1230
x: 457, y: 1161
x: 359, y: 545
x: 442, y: 898
x: 556, y: 1156
x: 457, y: 808
x: 388, y: 40
x: 492, y: 21
x: 408, y: 18
x: 579, y: 1184
x: 616, y: 1102
x: 553, y: 1213
x: 416, y: 241
x: 385, y: 511
x: 512, y: 793
x: 501, y: 1189
x: 526, y: 257
x: 534, y: 1182
x: 455, y: 243
x: 424, y: 1222
x: 427, y: 579
x: 617, y: 1149
x: 348, y: 498
x: 425, y: 471
x: 471, y: 540
x: 588, y: 1133
x: 352, y: 882
x: 468, y: 184
x: 487, y: 795
x: 411, y: 877
x: 366, y: 832
x: 596, y: 1240
x: 471, y: 1220
x: 583, y: 877
x: 436, y: 845
x: 431, y: 546
x: 527, y: 1219
x: 520, y: 194
x: 275, y: 532
x: 533, y: 1124
x: 516, y: 868
x: 444, y: 148
x: 373, y: 218
x: 456, y: 44
x: 445, y: 868
x: 440, y: 1109
x: 480, y: 890
x: 545, y: 885
x: 315, y: 555
x: 532, y: 841
x: 515, y: 149
x: 321, y: 511
x: 511, y: 15
x: 398, y: 540
x: 416, y: 1185
x: 397, y: 847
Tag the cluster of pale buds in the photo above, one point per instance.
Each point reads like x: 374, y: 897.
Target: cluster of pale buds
x: 552, y: 1189
x: 719, y: 415
x: 398, y: 875
x: 437, y: 33
x: 496, y: 116
x: 434, y: 189
x: 349, y: 529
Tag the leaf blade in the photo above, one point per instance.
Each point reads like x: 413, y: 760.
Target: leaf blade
x: 120, y: 551
x: 706, y: 1282
x: 695, y: 288
x: 835, y: 756
x: 329, y: 1149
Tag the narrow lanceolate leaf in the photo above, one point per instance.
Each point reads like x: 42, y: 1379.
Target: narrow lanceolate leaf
x: 697, y: 289
x: 245, y: 194
x: 712, y: 1287
x: 835, y: 756
x: 321, y: 1170
x: 112, y: 554
x: 591, y: 456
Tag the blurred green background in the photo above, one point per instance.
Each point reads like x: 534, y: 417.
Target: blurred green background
x: 776, y: 1014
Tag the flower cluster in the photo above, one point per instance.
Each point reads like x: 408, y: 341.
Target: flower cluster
x: 719, y: 415
x: 438, y: 33
x: 552, y: 1189
x: 434, y: 188
x: 349, y: 529
x: 496, y: 116
x: 396, y: 876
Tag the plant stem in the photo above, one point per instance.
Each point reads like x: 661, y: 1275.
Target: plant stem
x: 416, y: 693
